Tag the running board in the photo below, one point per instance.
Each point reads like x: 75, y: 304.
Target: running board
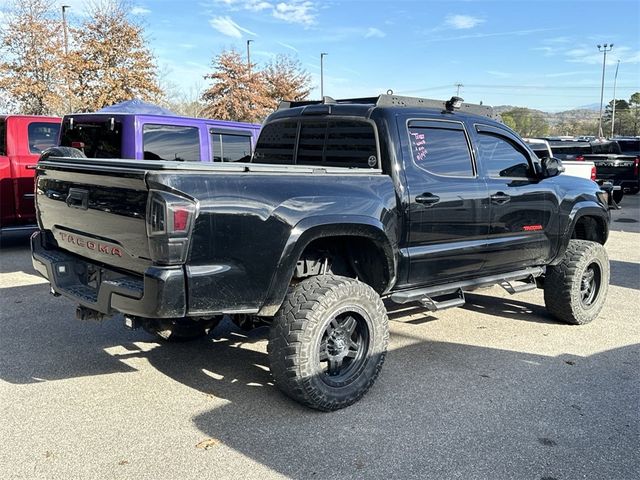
x: 426, y: 295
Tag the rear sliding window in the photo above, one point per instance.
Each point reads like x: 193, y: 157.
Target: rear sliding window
x: 42, y: 136
x: 95, y: 139
x: 231, y: 147
x: 171, y: 142
x: 320, y: 142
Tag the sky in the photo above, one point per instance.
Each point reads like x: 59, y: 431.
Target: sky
x: 536, y: 54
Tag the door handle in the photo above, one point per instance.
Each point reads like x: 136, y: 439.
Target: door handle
x: 78, y: 198
x: 500, y: 198
x: 427, y: 199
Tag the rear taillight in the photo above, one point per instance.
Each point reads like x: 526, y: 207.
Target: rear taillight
x: 593, y: 173
x: 580, y: 158
x: 635, y: 166
x: 170, y: 219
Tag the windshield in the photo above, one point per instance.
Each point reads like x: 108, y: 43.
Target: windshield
x: 97, y: 139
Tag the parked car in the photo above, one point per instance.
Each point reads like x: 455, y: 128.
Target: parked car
x: 22, y: 140
x: 130, y: 132
x: 542, y: 149
x: 617, y: 166
x: 344, y: 203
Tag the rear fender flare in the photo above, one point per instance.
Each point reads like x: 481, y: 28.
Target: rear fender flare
x: 313, y: 228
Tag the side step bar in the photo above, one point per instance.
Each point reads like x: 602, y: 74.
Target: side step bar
x: 429, y: 296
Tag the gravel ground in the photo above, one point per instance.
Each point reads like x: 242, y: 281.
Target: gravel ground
x: 493, y: 390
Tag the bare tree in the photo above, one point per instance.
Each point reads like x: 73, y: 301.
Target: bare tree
x: 109, y: 61
x: 31, y: 73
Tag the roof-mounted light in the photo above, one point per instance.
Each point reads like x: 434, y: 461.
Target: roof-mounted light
x: 454, y: 103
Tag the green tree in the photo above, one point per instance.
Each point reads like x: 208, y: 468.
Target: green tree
x: 634, y: 106
x: 110, y: 61
x: 31, y: 73
x: 528, y: 123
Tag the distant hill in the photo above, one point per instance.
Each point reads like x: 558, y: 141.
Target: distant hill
x: 554, y: 118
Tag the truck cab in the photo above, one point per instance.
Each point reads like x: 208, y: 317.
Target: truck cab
x: 22, y: 140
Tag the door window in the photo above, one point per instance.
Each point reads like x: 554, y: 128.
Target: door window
x: 501, y: 158
x: 171, y: 142
x: 441, y: 151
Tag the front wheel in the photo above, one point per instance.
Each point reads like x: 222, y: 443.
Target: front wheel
x: 328, y: 342
x: 575, y: 290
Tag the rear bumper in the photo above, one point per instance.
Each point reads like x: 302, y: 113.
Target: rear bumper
x: 159, y: 293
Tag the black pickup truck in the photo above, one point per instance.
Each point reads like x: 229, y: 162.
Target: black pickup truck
x: 344, y: 204
x: 617, y: 161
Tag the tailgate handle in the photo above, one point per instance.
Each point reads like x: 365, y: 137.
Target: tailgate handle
x: 78, y: 198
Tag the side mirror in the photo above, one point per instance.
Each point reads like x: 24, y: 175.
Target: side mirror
x: 551, y: 167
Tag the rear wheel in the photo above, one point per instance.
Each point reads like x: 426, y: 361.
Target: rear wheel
x: 328, y: 342
x: 180, y: 329
x: 69, y: 152
x: 575, y: 290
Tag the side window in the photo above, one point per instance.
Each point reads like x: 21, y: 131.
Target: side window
x: 276, y: 143
x: 229, y: 147
x: 350, y: 143
x: 171, y: 142
x: 3, y: 137
x: 441, y: 151
x: 500, y: 158
x: 42, y: 135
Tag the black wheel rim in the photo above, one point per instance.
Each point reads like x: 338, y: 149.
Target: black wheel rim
x: 590, y: 285
x: 343, y: 348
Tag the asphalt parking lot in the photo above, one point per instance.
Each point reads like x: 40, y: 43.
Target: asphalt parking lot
x: 493, y: 390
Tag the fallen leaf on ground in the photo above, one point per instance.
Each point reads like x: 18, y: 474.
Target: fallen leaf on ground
x: 208, y: 443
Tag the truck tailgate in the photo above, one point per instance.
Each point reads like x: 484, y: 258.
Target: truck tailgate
x: 95, y: 211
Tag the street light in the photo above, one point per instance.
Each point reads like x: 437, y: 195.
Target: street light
x: 249, y: 57
x: 602, y: 48
x: 613, y: 115
x: 322, y: 55
x: 64, y: 28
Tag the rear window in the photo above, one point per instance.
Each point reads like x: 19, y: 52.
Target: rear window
x: 569, y: 149
x: 42, y: 135
x: 322, y: 142
x: 609, y: 147
x: 171, y: 142
x: 231, y: 147
x: 630, y: 146
x: 3, y: 137
x: 95, y: 139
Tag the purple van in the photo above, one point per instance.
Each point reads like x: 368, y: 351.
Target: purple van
x: 137, y: 130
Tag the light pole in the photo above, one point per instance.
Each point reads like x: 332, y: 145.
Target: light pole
x: 603, y: 48
x: 322, y: 55
x: 249, y: 56
x: 613, y: 114
x: 64, y: 29
x: 458, y: 85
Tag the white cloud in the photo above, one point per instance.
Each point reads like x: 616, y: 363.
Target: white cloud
x: 498, y: 74
x: 374, y: 32
x: 296, y: 11
x: 228, y: 27
x: 140, y: 11
x: 462, y: 22
x: 591, y: 56
x: 290, y: 47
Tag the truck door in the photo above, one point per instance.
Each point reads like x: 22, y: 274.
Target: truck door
x: 448, y: 214
x: 520, y: 203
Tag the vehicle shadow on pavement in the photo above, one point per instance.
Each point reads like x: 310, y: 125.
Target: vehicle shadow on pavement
x: 507, y: 308
x: 625, y: 274
x: 439, y: 410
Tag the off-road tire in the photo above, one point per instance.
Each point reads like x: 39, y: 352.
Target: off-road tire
x: 299, y: 330
x: 564, y: 287
x: 180, y: 329
x: 69, y: 152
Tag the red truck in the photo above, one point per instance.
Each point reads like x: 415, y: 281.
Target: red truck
x: 22, y: 140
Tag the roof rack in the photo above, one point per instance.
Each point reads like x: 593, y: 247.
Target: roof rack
x: 390, y: 100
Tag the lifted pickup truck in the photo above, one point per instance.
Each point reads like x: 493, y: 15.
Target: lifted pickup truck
x: 345, y: 203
